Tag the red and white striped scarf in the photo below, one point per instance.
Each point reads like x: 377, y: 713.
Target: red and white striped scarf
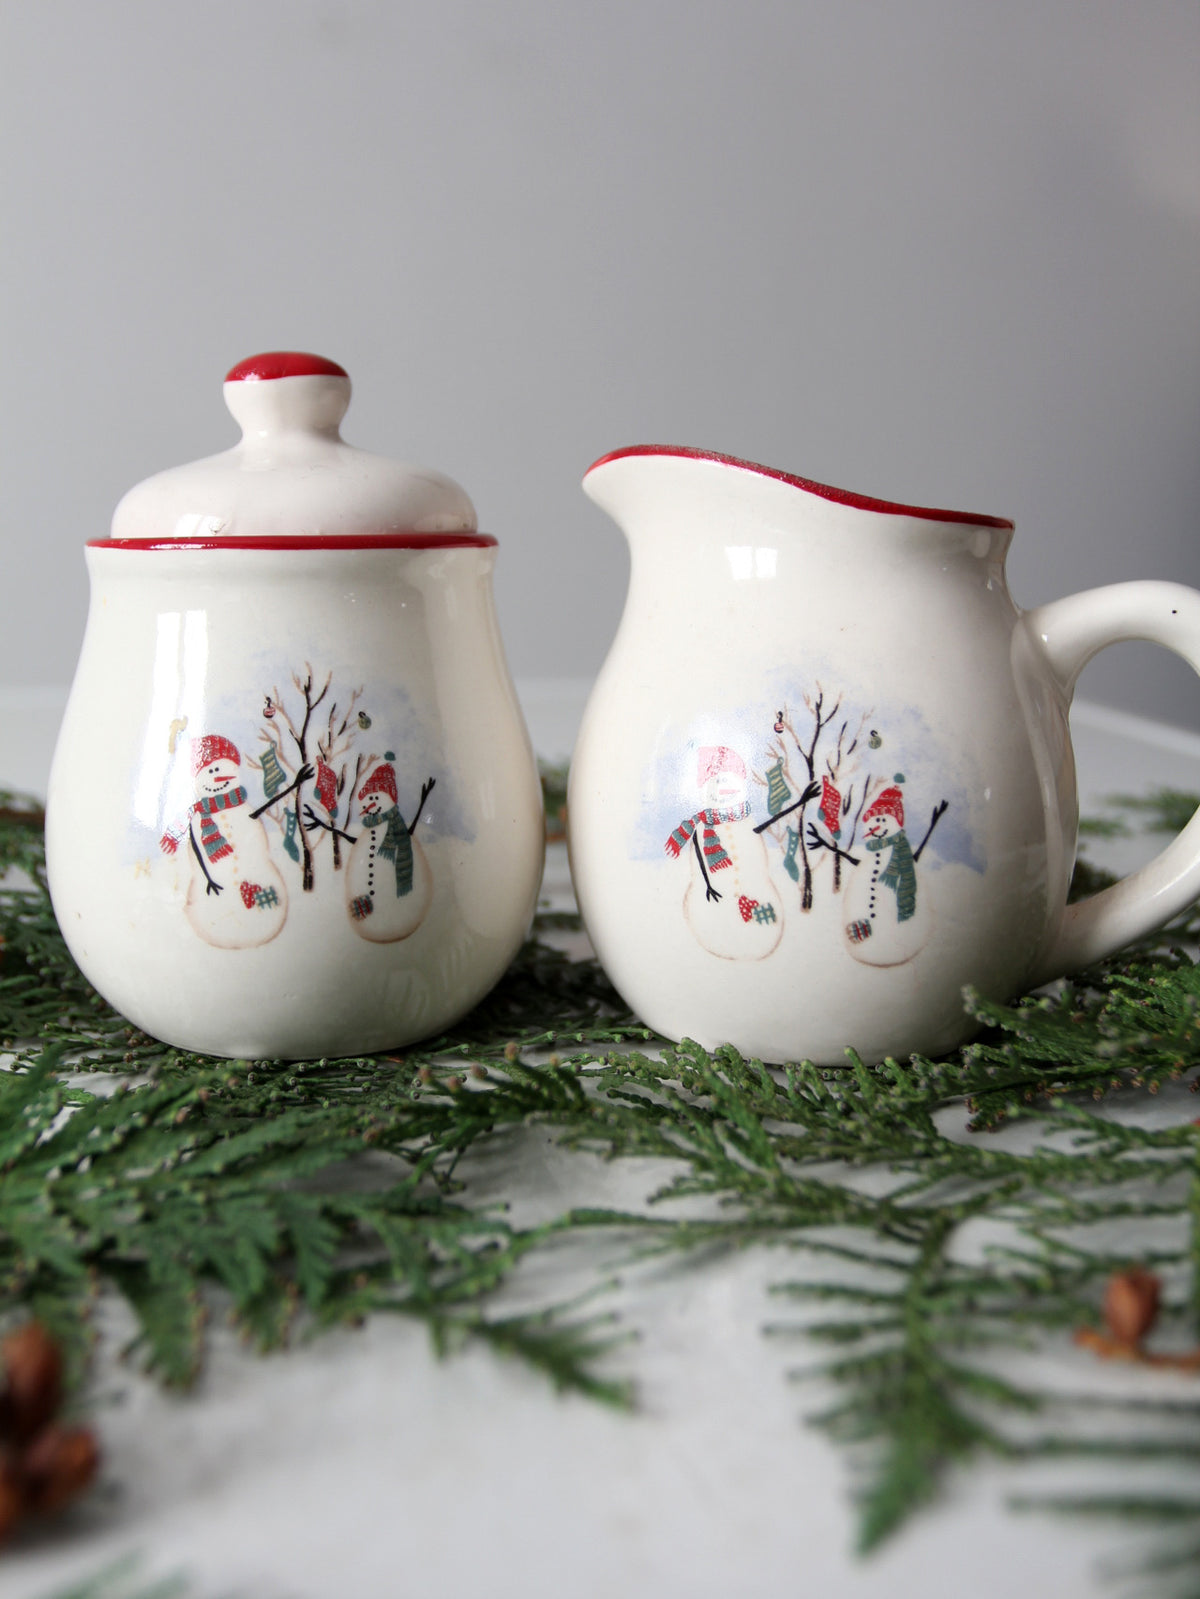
x: 216, y: 845
x: 715, y: 857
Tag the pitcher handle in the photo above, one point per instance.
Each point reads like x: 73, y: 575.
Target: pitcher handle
x: 1070, y: 632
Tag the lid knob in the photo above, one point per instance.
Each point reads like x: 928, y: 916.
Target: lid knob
x: 293, y: 476
x: 287, y: 391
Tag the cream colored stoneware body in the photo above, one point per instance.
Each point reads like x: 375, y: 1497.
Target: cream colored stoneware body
x: 293, y: 809
x: 824, y: 782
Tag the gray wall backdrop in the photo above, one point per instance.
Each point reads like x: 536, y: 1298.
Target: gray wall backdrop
x: 938, y: 252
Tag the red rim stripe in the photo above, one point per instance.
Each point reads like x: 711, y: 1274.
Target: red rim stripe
x: 307, y: 541
x: 861, y: 502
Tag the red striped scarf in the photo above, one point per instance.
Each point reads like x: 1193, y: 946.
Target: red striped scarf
x: 216, y: 845
x: 715, y: 857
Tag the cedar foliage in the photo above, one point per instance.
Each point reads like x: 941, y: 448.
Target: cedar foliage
x: 188, y: 1179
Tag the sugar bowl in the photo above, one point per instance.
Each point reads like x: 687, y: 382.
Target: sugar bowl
x: 293, y: 809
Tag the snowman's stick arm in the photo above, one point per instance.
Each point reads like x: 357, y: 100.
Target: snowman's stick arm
x: 426, y: 791
x: 815, y: 841
x: 213, y: 886
x: 938, y: 812
x: 810, y: 792
x: 709, y: 891
x: 313, y: 820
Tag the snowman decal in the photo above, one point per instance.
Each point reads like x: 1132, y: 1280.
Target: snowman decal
x: 888, y: 918
x: 389, y: 886
x: 730, y: 901
x: 235, y: 897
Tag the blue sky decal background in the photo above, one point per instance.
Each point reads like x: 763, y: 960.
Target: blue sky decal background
x: 165, y: 788
x: 933, y: 770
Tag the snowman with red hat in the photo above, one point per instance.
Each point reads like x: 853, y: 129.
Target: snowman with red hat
x: 887, y: 910
x: 236, y: 899
x: 389, y: 886
x: 730, y: 902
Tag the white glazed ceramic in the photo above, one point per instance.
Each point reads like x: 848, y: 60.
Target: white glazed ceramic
x: 293, y: 809
x: 824, y: 781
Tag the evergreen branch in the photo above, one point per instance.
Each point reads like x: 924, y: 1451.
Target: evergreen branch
x: 120, y: 1581
x: 202, y: 1182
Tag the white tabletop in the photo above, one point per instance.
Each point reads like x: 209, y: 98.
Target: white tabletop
x: 361, y: 1465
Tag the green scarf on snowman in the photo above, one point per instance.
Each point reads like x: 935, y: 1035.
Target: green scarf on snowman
x: 396, y: 847
x: 900, y: 873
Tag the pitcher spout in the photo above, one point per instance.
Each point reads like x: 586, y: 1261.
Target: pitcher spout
x: 668, y: 486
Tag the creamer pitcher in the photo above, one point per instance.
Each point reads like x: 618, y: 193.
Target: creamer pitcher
x: 825, y: 781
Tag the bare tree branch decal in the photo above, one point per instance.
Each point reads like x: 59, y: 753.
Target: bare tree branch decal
x: 803, y: 845
x: 300, y: 764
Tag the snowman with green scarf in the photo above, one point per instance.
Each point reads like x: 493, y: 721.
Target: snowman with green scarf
x: 389, y: 885
x: 888, y: 916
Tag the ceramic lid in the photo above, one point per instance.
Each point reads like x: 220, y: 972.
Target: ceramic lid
x: 292, y: 478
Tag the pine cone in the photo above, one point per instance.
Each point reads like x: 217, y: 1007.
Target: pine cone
x: 12, y: 1496
x: 42, y: 1464
x: 32, y: 1389
x: 60, y: 1463
x: 1131, y: 1304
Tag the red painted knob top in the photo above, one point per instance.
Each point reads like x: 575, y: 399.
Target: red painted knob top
x: 283, y: 364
